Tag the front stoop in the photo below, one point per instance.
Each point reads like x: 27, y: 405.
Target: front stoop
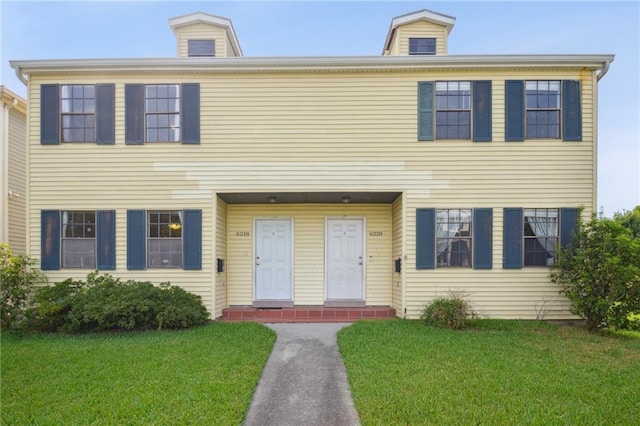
x: 306, y: 314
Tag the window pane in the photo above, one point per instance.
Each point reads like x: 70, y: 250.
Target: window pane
x: 165, y: 253
x: 79, y: 253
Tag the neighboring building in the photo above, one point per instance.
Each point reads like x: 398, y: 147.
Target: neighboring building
x: 316, y: 181
x: 13, y: 171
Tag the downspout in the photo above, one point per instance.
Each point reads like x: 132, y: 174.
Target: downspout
x: 4, y: 125
x: 605, y: 69
x: 21, y: 76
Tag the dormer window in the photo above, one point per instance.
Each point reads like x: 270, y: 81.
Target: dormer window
x: 201, y: 47
x: 422, y: 46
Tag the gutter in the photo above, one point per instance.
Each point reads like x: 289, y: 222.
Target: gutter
x: 338, y: 63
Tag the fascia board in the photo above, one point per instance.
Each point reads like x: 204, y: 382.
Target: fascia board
x: 313, y: 63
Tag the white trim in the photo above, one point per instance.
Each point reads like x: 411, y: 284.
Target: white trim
x: 253, y: 258
x: 382, y: 63
x: 364, y: 253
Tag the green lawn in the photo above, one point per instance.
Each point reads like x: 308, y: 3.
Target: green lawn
x: 496, y: 373
x: 205, y: 375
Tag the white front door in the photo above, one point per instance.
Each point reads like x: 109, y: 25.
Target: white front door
x: 273, y: 259
x: 345, y: 261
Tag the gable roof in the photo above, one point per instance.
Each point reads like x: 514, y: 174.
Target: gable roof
x: 206, y: 18
x: 421, y: 15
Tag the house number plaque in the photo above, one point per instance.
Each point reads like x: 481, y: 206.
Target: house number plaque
x: 375, y: 234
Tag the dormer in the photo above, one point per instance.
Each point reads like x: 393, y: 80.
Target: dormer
x: 418, y: 33
x: 203, y: 35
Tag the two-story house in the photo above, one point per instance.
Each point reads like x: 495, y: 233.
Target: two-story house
x: 372, y: 184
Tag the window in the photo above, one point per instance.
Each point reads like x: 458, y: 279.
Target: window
x: 453, y: 234
x: 164, y: 239
x: 541, y: 236
x: 78, y: 239
x: 77, y: 113
x: 454, y: 237
x: 422, y: 46
x: 542, y: 109
x: 164, y: 242
x: 78, y: 108
x: 201, y: 47
x: 162, y: 108
x: 453, y: 110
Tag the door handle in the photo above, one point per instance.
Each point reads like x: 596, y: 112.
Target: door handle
x: 257, y: 260
x: 360, y: 260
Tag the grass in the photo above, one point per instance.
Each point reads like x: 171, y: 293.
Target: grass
x: 204, y: 375
x: 496, y: 372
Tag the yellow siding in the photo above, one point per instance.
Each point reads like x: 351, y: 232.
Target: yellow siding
x: 421, y: 29
x: 202, y: 31
x: 221, y: 253
x: 309, y: 249
x: 321, y: 131
x: 398, y: 253
x: 17, y: 205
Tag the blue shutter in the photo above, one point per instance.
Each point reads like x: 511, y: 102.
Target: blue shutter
x: 425, y: 111
x: 50, y: 240
x: 190, y: 113
x: 514, y: 110
x: 136, y: 240
x: 483, y: 238
x: 49, y: 114
x: 571, y: 111
x: 568, y: 224
x: 513, y: 234
x: 482, y: 111
x: 105, y: 114
x: 192, y: 239
x: 134, y: 114
x: 106, y: 239
x: 425, y: 238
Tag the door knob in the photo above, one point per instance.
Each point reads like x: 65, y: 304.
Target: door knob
x: 258, y: 260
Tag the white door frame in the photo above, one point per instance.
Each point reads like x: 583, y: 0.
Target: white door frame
x: 253, y: 259
x: 326, y: 252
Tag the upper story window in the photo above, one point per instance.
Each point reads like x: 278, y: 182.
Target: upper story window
x: 542, y: 109
x: 162, y: 110
x: 422, y: 46
x: 201, y: 47
x: 454, y: 237
x: 78, y: 112
x: 78, y: 239
x: 164, y: 245
x: 453, y: 110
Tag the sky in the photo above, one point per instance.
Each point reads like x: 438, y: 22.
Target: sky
x: 129, y: 29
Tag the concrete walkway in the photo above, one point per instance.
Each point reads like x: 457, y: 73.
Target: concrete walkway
x: 304, y: 381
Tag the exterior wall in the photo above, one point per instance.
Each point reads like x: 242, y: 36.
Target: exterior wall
x: 221, y: 283
x: 202, y: 31
x: 419, y: 29
x: 309, y: 249
x: 13, y: 171
x: 330, y: 132
x: 398, y: 218
x: 17, y: 205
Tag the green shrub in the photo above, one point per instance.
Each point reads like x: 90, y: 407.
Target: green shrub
x: 17, y: 277
x: 447, y: 312
x: 105, y: 303
x: 600, y: 274
x: 52, y: 304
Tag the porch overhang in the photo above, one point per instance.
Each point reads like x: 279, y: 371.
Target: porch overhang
x: 347, y: 197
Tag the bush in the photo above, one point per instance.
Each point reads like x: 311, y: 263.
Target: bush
x: 17, y: 277
x: 600, y: 274
x: 105, y: 303
x: 447, y: 312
